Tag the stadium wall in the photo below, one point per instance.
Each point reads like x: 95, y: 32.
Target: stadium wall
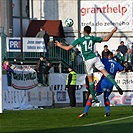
x: 62, y: 9
x: 55, y: 94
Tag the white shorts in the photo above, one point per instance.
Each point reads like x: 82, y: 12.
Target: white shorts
x: 93, y: 62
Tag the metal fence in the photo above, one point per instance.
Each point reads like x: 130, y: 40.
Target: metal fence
x: 54, y: 55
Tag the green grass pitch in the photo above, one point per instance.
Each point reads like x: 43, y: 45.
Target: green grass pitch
x: 65, y: 120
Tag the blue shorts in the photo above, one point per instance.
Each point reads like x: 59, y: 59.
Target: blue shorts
x: 104, y: 84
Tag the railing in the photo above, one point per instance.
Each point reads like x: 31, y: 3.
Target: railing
x: 54, y: 54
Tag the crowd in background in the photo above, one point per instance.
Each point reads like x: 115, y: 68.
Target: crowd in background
x: 122, y: 55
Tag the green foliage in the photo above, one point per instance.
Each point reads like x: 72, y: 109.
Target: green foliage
x: 65, y: 120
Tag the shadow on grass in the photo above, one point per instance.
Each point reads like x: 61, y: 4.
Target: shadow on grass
x: 109, y: 128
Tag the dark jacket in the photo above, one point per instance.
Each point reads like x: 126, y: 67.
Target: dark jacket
x: 39, y: 66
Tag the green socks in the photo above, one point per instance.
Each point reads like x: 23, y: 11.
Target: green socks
x: 91, y: 87
x: 112, y: 80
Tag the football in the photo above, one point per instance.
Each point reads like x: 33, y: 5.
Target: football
x: 69, y: 22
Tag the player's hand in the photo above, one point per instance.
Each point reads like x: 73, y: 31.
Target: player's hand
x: 57, y: 43
x: 115, y: 29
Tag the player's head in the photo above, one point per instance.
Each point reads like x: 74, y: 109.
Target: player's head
x: 110, y: 55
x: 87, y: 30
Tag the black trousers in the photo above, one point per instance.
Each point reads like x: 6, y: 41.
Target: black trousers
x: 71, y: 94
x: 40, y: 78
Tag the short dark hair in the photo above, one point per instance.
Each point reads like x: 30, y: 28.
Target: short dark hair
x: 121, y: 42
x: 42, y: 27
x: 70, y: 67
x: 41, y: 56
x: 87, y: 29
x: 105, y: 46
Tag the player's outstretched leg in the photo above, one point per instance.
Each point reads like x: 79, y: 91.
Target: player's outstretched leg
x: 86, y: 109
x: 114, y: 83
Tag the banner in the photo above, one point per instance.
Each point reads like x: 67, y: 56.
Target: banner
x: 62, y: 96
x: 26, y: 99
x: 34, y: 45
x: 103, y: 15
x: 54, y: 78
x: 124, y: 80
x: 24, y: 79
x: 13, y: 44
x: 29, y: 45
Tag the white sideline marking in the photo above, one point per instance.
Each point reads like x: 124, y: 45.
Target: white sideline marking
x: 108, y: 121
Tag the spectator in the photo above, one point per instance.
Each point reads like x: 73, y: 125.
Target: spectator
x: 40, y: 69
x: 73, y: 58
x: 78, y: 57
x: 9, y: 72
x: 43, y: 34
x: 105, y: 52
x: 77, y: 52
x: 122, y: 48
x: 46, y: 74
x: 71, y: 86
x: 128, y: 56
x: 127, y: 67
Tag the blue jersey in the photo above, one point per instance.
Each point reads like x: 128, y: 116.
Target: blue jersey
x: 112, y: 67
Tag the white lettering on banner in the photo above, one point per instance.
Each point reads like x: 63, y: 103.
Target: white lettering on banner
x: 102, y: 15
x: 24, y: 79
x: 13, y: 44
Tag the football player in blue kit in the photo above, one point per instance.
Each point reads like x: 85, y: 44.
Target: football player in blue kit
x: 104, y: 85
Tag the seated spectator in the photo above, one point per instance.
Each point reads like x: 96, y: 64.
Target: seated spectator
x: 127, y: 67
x: 128, y: 56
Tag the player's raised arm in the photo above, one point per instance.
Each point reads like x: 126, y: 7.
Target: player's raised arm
x: 59, y: 44
x: 109, y: 35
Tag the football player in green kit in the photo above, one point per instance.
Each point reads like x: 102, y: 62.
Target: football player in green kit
x: 87, y: 42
